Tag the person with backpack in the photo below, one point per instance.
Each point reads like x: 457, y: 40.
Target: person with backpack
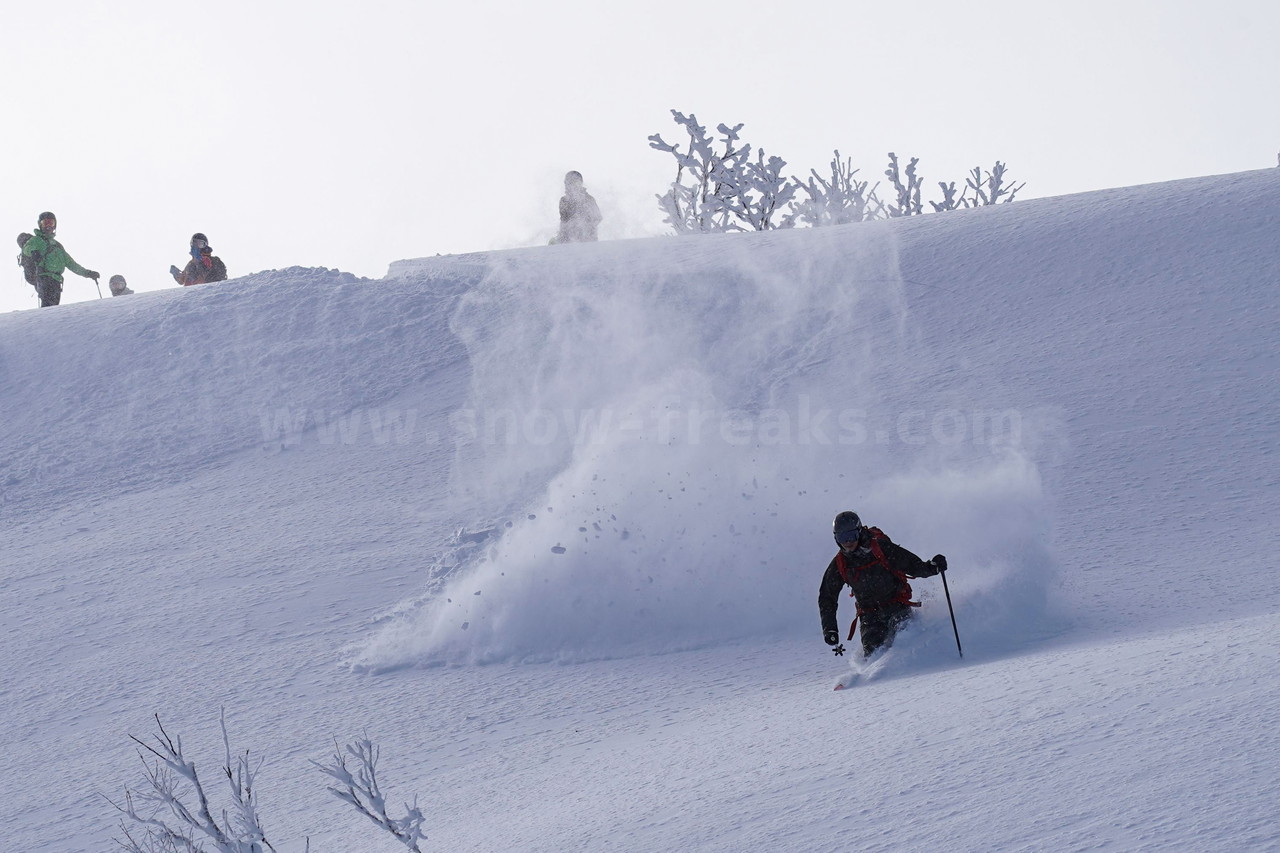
x: 203, y: 268
x: 579, y: 213
x: 44, y: 260
x: 876, y: 570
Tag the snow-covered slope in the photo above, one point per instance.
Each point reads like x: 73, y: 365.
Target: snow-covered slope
x: 597, y: 481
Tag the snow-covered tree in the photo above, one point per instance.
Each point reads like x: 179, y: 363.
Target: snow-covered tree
x: 694, y: 203
x: 721, y: 189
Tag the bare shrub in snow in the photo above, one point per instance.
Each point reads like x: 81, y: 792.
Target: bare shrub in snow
x: 172, y: 812
x: 836, y: 201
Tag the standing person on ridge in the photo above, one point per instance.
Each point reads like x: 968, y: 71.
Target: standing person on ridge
x: 203, y: 267
x: 50, y: 260
x: 876, y: 570
x: 579, y: 213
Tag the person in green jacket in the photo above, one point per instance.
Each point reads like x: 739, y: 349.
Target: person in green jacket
x: 51, y: 260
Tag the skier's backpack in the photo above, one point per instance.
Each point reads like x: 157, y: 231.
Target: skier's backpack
x: 879, y: 559
x: 27, y: 262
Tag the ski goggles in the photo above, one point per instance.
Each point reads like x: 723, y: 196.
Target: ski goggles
x: 48, y: 223
x: 849, y: 535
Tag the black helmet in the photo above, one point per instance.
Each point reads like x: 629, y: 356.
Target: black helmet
x: 46, y: 215
x: 847, y: 527
x: 198, y: 236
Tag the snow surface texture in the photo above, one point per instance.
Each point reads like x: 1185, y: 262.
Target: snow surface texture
x: 548, y: 524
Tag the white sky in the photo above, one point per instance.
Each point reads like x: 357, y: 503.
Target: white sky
x: 351, y: 135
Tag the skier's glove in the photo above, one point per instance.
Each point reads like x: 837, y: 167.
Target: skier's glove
x: 92, y: 274
x: 831, y: 637
x: 940, y: 561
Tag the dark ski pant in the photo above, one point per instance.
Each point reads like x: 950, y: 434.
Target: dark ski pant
x: 49, y: 291
x: 877, y: 629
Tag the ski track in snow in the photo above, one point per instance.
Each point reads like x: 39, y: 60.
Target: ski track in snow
x: 294, y: 495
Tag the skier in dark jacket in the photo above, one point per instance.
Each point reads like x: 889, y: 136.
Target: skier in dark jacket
x: 51, y: 260
x: 876, y: 570
x: 203, y: 267
x: 579, y: 213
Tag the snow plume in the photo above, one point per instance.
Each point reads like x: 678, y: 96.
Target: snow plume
x: 664, y: 446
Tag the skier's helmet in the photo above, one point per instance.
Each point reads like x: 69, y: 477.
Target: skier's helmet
x: 49, y: 218
x: 847, y: 527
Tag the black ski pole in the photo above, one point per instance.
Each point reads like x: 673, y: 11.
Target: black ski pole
x: 952, y: 612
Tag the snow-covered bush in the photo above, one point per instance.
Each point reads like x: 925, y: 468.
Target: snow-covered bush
x: 759, y: 190
x: 721, y: 190
x: 171, y: 813
x: 949, y: 199
x: 990, y: 189
x: 719, y: 187
x: 836, y: 201
x: 907, y: 202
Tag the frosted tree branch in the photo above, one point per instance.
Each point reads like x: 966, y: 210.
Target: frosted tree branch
x: 175, y: 814
x: 360, y: 789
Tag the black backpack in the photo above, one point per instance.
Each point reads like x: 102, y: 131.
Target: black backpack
x: 28, y: 262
